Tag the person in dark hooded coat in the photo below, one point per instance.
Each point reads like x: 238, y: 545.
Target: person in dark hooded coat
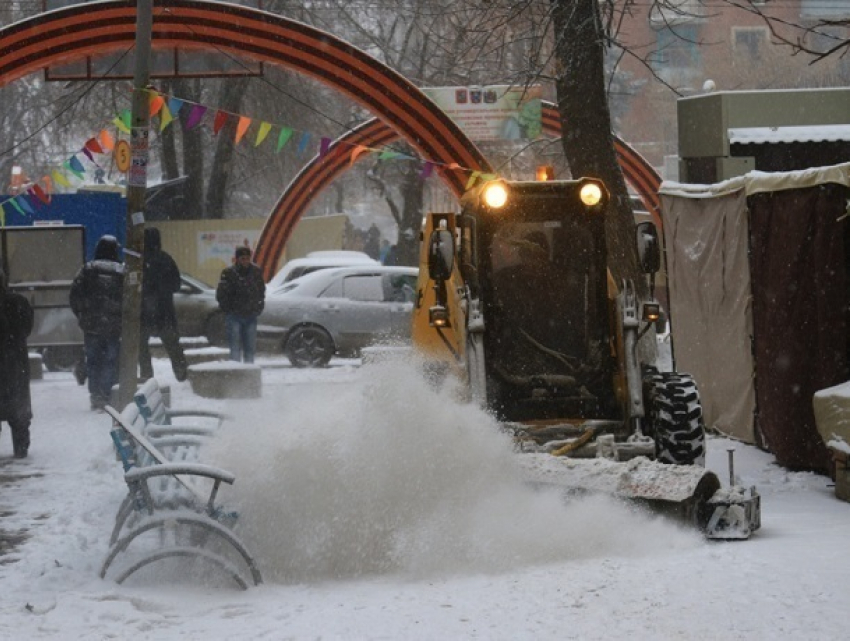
x: 96, y: 302
x: 160, y: 281
x: 16, y: 320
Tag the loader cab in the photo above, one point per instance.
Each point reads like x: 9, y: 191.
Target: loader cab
x: 534, y: 256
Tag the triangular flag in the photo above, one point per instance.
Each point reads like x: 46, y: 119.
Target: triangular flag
x: 453, y: 165
x: 359, y: 149
x: 76, y: 166
x: 195, y: 116
x: 302, y: 144
x: 106, y: 140
x: 388, y: 154
x: 324, y: 145
x: 242, y: 127
x: 94, y: 146
x: 265, y: 128
x: 283, y: 138
x: 15, y: 204
x: 22, y: 201
x: 157, y: 103
x: 220, y: 119
x: 60, y: 179
x: 121, y: 125
x: 486, y: 177
x: 472, y: 178
x: 427, y: 168
x: 165, y: 118
x: 37, y: 192
x: 88, y: 154
x: 174, y: 106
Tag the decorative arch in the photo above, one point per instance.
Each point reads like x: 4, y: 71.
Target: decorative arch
x: 100, y: 28
x: 323, y: 170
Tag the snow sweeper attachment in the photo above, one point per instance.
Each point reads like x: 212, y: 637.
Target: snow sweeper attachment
x: 515, y: 299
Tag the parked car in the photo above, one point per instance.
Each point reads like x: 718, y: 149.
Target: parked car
x: 197, y: 311
x: 315, y: 261
x: 340, y: 311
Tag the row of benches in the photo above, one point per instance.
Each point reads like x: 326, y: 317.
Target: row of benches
x: 171, y: 509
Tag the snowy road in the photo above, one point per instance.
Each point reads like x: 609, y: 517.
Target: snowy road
x: 382, y: 509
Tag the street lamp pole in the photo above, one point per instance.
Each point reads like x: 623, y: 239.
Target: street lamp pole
x: 137, y: 182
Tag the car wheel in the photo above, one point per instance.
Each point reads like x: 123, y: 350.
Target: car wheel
x: 215, y: 331
x: 674, y: 418
x: 309, y: 346
x: 62, y: 358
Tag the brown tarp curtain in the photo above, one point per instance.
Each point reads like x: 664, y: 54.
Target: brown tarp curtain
x: 709, y: 282
x: 758, y: 277
x: 800, y: 304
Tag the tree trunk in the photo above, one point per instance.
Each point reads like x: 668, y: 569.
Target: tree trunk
x: 231, y: 98
x: 193, y: 155
x: 586, y: 123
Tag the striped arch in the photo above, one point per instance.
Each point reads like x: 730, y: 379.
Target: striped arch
x: 101, y: 28
x: 321, y: 171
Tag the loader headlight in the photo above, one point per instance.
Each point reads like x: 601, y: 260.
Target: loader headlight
x: 651, y: 312
x: 590, y: 194
x: 495, y: 195
x: 438, y: 316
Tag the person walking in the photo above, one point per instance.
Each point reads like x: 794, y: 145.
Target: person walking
x: 96, y: 302
x: 16, y: 320
x: 160, y: 281
x: 241, y: 295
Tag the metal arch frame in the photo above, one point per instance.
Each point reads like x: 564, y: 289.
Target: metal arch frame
x: 105, y: 27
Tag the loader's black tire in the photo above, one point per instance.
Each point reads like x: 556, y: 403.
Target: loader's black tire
x: 674, y: 418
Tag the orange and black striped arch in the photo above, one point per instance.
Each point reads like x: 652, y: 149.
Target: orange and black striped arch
x: 322, y: 170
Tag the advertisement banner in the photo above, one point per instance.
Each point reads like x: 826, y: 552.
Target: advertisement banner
x: 216, y: 248
x: 492, y: 112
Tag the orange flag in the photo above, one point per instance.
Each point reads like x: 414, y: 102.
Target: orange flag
x: 157, y: 102
x: 359, y: 149
x: 242, y: 127
x: 106, y: 140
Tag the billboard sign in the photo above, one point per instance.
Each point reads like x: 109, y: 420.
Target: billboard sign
x: 492, y: 112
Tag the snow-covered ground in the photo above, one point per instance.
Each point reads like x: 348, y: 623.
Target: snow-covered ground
x: 380, y: 508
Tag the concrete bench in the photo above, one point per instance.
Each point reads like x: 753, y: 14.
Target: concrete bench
x: 170, y: 510
x: 186, y: 342
x: 206, y: 355
x: 226, y: 379
x: 36, y: 363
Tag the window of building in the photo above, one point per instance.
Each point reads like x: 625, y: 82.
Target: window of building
x: 678, y: 47
x: 750, y: 41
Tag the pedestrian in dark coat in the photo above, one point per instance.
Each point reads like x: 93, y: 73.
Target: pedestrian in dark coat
x: 241, y: 294
x: 160, y: 281
x: 96, y: 302
x: 15, y: 325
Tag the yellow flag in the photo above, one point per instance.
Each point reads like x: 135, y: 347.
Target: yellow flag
x: 165, y: 118
x: 59, y: 179
x: 265, y: 128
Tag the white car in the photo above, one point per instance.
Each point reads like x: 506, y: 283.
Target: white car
x: 340, y: 311
x: 315, y: 261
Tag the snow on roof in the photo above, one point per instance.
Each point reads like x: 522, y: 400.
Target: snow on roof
x: 809, y: 133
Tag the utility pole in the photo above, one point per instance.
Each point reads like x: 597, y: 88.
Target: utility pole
x: 137, y: 182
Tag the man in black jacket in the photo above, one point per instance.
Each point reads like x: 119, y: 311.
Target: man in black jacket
x: 96, y: 302
x: 160, y: 281
x: 15, y: 325
x: 241, y: 294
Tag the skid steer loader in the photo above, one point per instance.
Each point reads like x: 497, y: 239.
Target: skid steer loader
x: 516, y: 300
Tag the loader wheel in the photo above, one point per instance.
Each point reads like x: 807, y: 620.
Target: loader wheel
x: 674, y: 418
x: 309, y: 346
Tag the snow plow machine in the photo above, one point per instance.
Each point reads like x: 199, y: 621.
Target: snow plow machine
x: 516, y: 300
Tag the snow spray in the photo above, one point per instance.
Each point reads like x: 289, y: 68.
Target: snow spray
x: 388, y: 474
